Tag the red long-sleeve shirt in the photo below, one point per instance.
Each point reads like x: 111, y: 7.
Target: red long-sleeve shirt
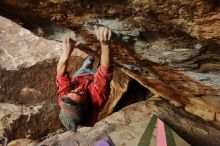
x: 97, y: 85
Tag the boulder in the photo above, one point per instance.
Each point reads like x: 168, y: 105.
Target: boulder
x: 126, y: 127
x: 170, y: 47
x: 28, y: 90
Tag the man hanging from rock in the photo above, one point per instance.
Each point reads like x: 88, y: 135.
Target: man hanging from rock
x: 81, y: 97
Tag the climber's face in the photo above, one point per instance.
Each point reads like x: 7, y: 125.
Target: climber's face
x: 79, y: 95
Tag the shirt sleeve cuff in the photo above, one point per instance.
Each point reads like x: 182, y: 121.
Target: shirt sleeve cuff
x: 106, y: 69
x: 62, y: 75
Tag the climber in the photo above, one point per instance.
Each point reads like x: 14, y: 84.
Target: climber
x: 82, y: 96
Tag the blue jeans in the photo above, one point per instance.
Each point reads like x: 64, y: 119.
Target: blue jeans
x: 86, y: 67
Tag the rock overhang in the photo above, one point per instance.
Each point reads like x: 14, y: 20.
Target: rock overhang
x: 178, y: 61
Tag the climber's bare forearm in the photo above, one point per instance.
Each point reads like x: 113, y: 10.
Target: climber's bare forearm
x: 62, y: 65
x: 106, y: 56
x: 68, y: 46
x: 103, y: 34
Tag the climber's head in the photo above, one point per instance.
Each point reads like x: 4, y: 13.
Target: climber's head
x: 73, y: 107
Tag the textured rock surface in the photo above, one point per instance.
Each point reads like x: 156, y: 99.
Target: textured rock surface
x: 174, y: 46
x: 129, y: 124
x: 20, y: 121
x: 159, y: 38
x: 28, y: 86
x: 24, y: 76
x: 23, y: 142
x: 11, y: 112
x: 20, y: 48
x: 28, y: 82
x: 199, y: 18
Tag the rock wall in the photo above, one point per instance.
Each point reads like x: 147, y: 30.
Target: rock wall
x: 199, y: 18
x: 29, y: 107
x: 170, y: 47
x: 127, y: 126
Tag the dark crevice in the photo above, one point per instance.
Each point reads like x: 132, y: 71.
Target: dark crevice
x: 135, y: 93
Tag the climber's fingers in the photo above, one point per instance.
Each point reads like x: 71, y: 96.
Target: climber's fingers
x: 103, y: 34
x: 109, y: 34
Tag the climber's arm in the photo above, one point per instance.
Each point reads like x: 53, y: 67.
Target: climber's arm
x: 102, y: 78
x: 62, y: 66
x: 63, y: 81
x: 103, y: 34
x: 68, y: 46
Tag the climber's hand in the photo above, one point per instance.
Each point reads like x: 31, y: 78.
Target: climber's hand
x: 68, y: 46
x: 103, y: 34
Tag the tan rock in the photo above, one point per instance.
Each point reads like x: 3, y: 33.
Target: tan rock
x: 218, y: 117
x: 23, y: 142
x: 175, y: 103
x: 128, y: 118
x: 11, y: 112
x: 29, y: 92
x: 20, y: 48
x: 161, y: 55
x: 28, y: 62
x: 201, y: 112
x: 126, y: 127
x: 119, y: 86
x: 58, y: 17
x: 204, y: 27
